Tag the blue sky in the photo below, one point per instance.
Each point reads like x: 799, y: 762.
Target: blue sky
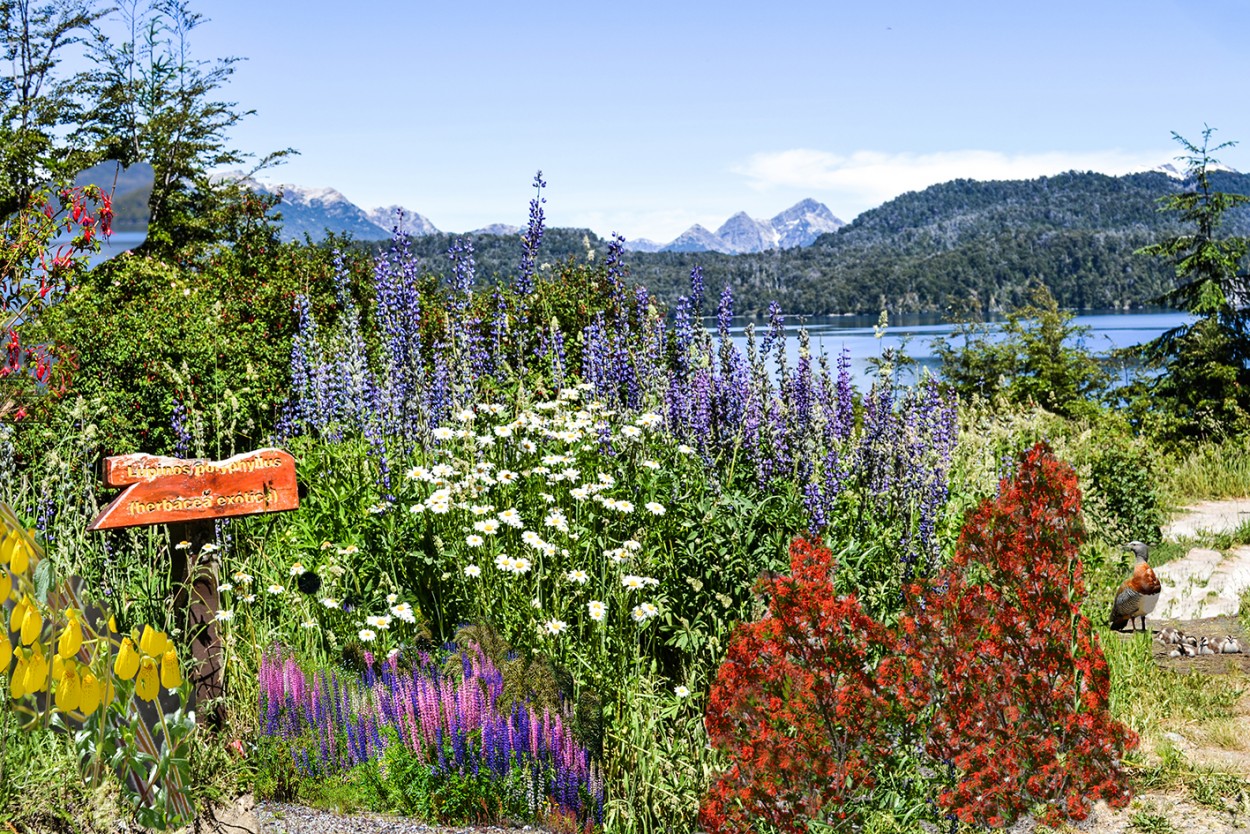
x: 646, y: 117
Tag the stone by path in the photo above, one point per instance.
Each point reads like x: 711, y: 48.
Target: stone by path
x: 1205, y: 583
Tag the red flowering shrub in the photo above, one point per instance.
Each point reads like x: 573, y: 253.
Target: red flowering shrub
x: 997, y: 645
x: 799, y: 705
x: 993, y: 667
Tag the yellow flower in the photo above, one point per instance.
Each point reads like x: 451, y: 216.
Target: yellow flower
x: 146, y: 684
x: 112, y: 624
x: 71, y: 636
x: 171, y: 675
x: 6, y: 547
x: 127, y: 662
x: 18, y: 614
x: 68, y: 690
x: 36, y: 670
x: 6, y: 652
x: 58, y: 667
x: 153, y: 643
x: 32, y: 623
x: 21, y: 557
x: 88, y: 694
x: 6, y: 586
x: 17, y: 681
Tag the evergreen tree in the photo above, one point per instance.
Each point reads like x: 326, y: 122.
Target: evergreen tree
x: 1203, y: 389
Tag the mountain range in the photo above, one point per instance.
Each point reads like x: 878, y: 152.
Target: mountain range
x: 314, y: 212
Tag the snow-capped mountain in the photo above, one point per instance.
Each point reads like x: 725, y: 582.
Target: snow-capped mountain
x: 389, y: 218
x: 696, y: 239
x: 798, y: 225
x: 803, y: 222
x: 312, y: 211
x: 1178, y: 173
x: 502, y: 229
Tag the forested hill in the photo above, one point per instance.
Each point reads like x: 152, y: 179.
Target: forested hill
x: 967, y: 243
x: 962, y: 243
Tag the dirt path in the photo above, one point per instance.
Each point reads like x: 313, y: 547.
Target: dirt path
x: 1205, y: 583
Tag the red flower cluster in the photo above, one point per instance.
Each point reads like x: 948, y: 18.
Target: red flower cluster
x: 998, y: 645
x: 993, y: 664
x: 799, y: 703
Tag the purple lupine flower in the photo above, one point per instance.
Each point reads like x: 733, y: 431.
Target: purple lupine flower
x: 696, y: 290
x: 461, y: 256
x: 532, y: 239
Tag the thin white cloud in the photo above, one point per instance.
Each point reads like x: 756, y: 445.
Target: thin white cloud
x: 864, y: 179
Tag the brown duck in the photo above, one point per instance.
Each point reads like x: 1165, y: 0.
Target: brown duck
x: 1138, y: 595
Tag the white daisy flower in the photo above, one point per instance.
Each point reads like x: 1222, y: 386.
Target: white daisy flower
x: 555, y: 627
x: 681, y: 691
x: 503, y: 561
x: 250, y: 598
x: 685, y: 450
x: 482, y: 509
x: 472, y: 571
x: 308, y: 624
x: 503, y: 431
x: 225, y: 586
x: 651, y: 464
x: 511, y: 517
x: 624, y: 506
x: 392, y: 598
x: 649, y: 420
x: 404, y: 612
x: 224, y: 616
x: 367, y: 635
x: 276, y: 589
x: 474, y: 540
x: 489, y: 526
x: 465, y: 415
x: 631, y: 545
x: 443, y: 433
x: 382, y: 623
x: 655, y: 508
x: 643, y: 612
x: 579, y: 576
x: 506, y: 476
x: 597, y: 610
x: 632, y: 432
x: 329, y: 602
x: 528, y: 446
x: 633, y: 583
x: 521, y: 565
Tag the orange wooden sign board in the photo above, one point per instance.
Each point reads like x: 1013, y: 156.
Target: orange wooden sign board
x: 162, y: 490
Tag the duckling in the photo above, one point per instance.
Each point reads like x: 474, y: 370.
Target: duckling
x: 1167, y: 635
x: 1138, y: 595
x: 1231, y: 645
x: 1207, y: 646
x: 1190, y: 640
x: 1188, y: 649
x: 1176, y: 652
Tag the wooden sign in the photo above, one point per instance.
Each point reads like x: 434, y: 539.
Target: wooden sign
x: 162, y: 490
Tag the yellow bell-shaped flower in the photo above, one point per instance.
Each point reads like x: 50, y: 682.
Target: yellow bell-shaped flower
x: 88, y: 694
x: 6, y: 652
x: 146, y: 682
x: 71, y: 636
x: 36, y: 670
x: 17, y: 681
x: 20, y: 559
x: 6, y: 586
x: 171, y: 675
x: 6, y: 547
x: 32, y: 623
x: 68, y: 690
x: 127, y: 662
x: 18, y: 614
x: 58, y: 667
x: 153, y: 643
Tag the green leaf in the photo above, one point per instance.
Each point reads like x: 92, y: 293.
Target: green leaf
x: 44, y: 578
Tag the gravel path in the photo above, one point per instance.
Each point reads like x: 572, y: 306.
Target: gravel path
x: 282, y: 818
x: 1205, y: 583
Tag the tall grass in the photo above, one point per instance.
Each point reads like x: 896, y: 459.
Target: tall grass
x: 1209, y: 471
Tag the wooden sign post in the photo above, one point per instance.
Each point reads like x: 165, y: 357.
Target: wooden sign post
x: 188, y: 495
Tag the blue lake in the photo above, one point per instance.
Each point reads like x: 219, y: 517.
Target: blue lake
x: 914, y: 333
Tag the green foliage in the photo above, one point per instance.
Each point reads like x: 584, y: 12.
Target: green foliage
x: 1215, y: 469
x: 152, y: 102
x: 1203, y: 390
x: 37, y: 102
x: 1039, y: 358
x: 213, y: 335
